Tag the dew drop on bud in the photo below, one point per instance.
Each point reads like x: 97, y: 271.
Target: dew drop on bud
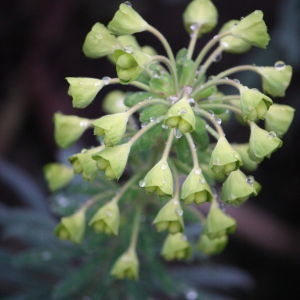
x: 272, y: 134
x: 194, y: 27
x: 191, y: 101
x: 142, y: 183
x: 128, y: 3
x: 198, y: 171
x: 250, y: 180
x: 178, y: 133
x: 179, y: 211
x: 106, y: 80
x: 279, y: 65
x: 163, y: 166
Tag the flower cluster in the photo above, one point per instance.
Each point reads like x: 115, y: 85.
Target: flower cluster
x: 168, y: 137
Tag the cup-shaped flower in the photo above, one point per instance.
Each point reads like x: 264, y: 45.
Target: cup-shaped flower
x: 127, y: 21
x: 130, y: 65
x: 195, y: 188
x: 84, y: 164
x: 83, y: 90
x: 254, y: 104
x: 126, y: 266
x: 159, y: 179
x: 217, y: 223
x: 57, y: 175
x: 275, y: 80
x: 99, y: 42
x: 68, y: 129
x: 180, y: 115
x: 211, y: 246
x: 107, y: 219
x: 224, y: 159
x: 230, y: 43
x: 252, y: 29
x: 176, y: 247
x: 262, y: 143
x: 169, y: 217
x: 279, y: 118
x: 113, y: 160
x: 112, y: 127
x: 237, y: 188
x: 71, y: 227
x: 200, y: 13
x: 113, y: 102
x: 247, y: 163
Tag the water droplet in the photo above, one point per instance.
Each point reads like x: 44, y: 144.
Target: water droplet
x: 63, y: 201
x: 279, y: 65
x: 46, y: 255
x: 84, y: 123
x: 142, y: 183
x: 225, y: 45
x: 194, y: 27
x: 152, y: 119
x: 236, y: 81
x: 164, y: 126
x: 128, y: 49
x: 191, y: 101
x: 173, y: 99
x: 226, y: 78
x: 272, y: 134
x: 250, y: 180
x: 218, y: 120
x: 216, y: 37
x: 182, y: 111
x: 108, y: 213
x: 106, y: 80
x: 218, y: 57
x: 191, y: 295
x: 178, y: 133
x: 128, y: 3
x: 163, y: 166
x: 179, y: 212
x: 198, y: 171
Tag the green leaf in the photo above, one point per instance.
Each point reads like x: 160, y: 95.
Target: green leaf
x: 150, y: 113
x: 200, y: 134
x: 133, y: 98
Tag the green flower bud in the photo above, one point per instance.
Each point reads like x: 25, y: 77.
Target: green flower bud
x: 275, y: 80
x: 71, y: 227
x: 126, y: 266
x: 254, y: 104
x: 107, y: 219
x: 129, y: 43
x: 57, y: 176
x: 195, y: 188
x: 130, y: 65
x: 247, y: 163
x: 262, y: 143
x: 237, y: 188
x: 279, y: 118
x: 252, y: 29
x: 113, y: 102
x: 224, y: 159
x: 84, y: 164
x: 68, y: 129
x: 176, y: 247
x: 218, y: 223
x: 230, y: 43
x: 106, y: 126
x: 83, y: 90
x: 113, y: 160
x: 201, y: 13
x: 180, y: 115
x: 169, y: 217
x: 127, y: 21
x: 212, y: 246
x: 148, y: 50
x: 159, y: 179
x: 99, y: 42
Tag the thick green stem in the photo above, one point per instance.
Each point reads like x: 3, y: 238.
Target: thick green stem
x: 192, y: 43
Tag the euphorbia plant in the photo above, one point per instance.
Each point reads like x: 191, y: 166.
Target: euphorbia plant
x: 166, y: 139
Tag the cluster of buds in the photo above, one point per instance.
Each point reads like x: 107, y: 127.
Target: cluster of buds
x: 168, y: 137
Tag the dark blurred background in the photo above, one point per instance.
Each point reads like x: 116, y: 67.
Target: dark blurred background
x: 41, y: 44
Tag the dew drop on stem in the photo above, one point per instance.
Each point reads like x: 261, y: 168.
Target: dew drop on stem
x: 279, y: 65
x: 142, y: 183
x: 106, y: 80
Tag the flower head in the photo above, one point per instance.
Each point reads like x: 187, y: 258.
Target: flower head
x: 159, y: 179
x: 68, y: 129
x: 126, y: 266
x: 169, y: 217
x: 72, y: 227
x: 113, y: 160
x: 195, y: 188
x: 99, y: 42
x: 127, y: 21
x: 176, y: 247
x: 107, y: 219
x: 212, y: 246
